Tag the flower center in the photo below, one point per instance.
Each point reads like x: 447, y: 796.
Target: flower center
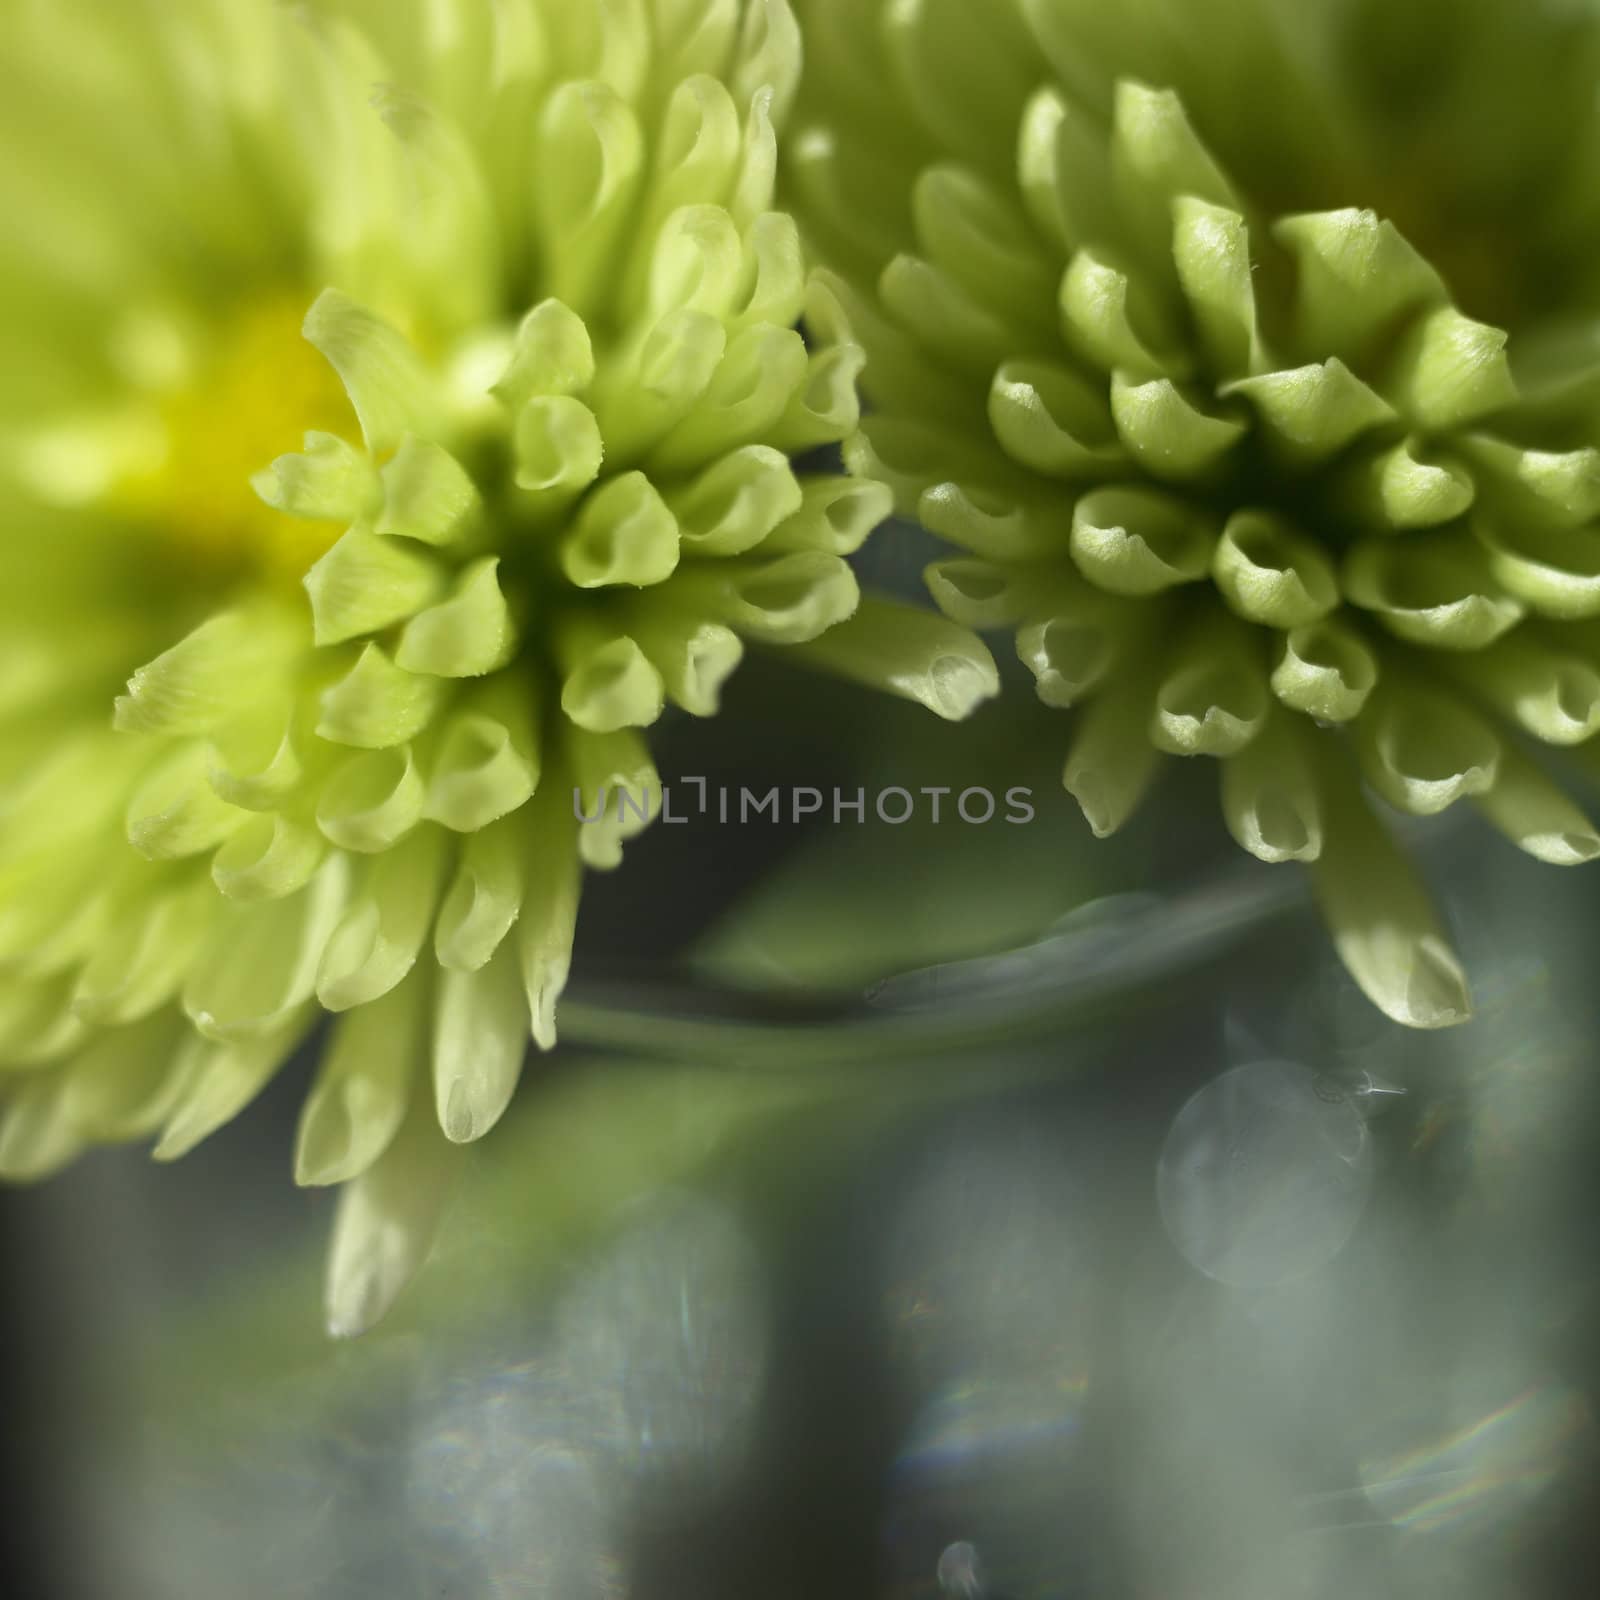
x: 252, y: 396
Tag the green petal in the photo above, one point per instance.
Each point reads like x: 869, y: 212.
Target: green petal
x: 1423, y: 750
x: 378, y: 937
x: 1553, y: 572
x: 1063, y: 165
x: 992, y: 527
x: 487, y: 763
x: 1531, y: 679
x: 589, y: 155
x: 1108, y: 318
x: 694, y: 658
x: 50, y: 893
x: 384, y: 377
x: 640, y: 401
x: 1397, y: 488
x: 124, y: 1084
x: 769, y: 54
x: 1325, y: 671
x: 208, y: 676
x: 385, y: 1223
x: 785, y: 601
x: 613, y: 775
x: 914, y: 458
x: 261, y: 969
x: 850, y: 198
x: 377, y: 705
x: 1382, y: 921
x: 175, y: 812
x: 898, y: 375
x: 610, y: 683
x: 552, y: 355
x: 36, y: 1137
x: 1311, y: 413
x: 1157, y: 158
x: 985, y: 594
x: 736, y: 502
x: 255, y: 760
x: 372, y: 801
x: 1083, y: 641
x: 1168, y: 435
x: 938, y: 312
x: 484, y: 898
x: 146, y: 953
x: 269, y: 857
x: 698, y: 149
x: 774, y: 286
x: 558, y: 447
x: 1270, y: 795
x: 969, y: 231
x: 625, y: 534
x: 698, y: 264
x: 959, y: 72
x: 1357, y: 277
x: 1211, y: 249
x: 911, y: 653
x: 836, y: 516
x: 1536, y: 816
x: 1270, y: 573
x: 748, y: 395
x: 1438, y: 594
x: 1563, y: 485
x: 480, y: 1041
x: 550, y: 911
x: 1450, y: 370
x: 756, y: 181
x: 826, y: 407
x: 366, y: 583
x: 468, y: 635
x: 219, y: 1078
x: 452, y: 241
x: 1213, y: 701
x: 1112, y: 762
x: 1138, y: 541
x: 1053, y: 421
x: 363, y: 1088
x: 331, y: 482
x: 427, y: 495
x: 37, y: 1023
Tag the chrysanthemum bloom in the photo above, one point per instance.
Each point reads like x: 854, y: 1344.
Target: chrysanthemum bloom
x: 418, y: 407
x: 1247, y: 477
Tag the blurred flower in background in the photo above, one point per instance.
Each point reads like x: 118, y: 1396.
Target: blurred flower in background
x: 1244, y: 467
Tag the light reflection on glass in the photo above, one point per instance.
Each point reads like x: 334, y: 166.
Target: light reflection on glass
x: 991, y: 1289
x: 1264, y: 1175
x: 503, y: 1499
x: 960, y: 1572
x: 665, y: 1337
x: 642, y: 1383
x: 990, y: 1268
x: 1487, y: 1476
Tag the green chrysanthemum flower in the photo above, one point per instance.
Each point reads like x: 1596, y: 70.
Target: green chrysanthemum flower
x: 1245, y: 477
x: 531, y: 460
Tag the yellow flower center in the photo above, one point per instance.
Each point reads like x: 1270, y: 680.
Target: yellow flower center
x: 253, y: 397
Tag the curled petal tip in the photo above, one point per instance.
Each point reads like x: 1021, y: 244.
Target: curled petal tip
x: 1437, y: 994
